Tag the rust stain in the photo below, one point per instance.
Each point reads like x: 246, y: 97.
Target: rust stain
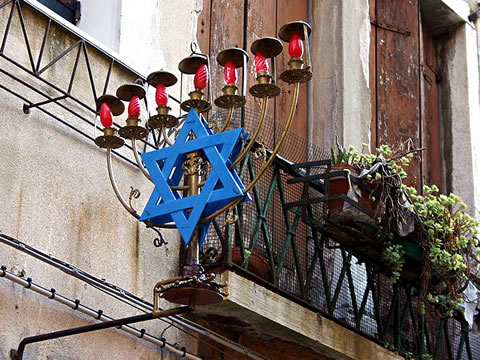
x: 136, y: 258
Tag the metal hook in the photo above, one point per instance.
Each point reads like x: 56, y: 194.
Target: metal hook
x: 193, y: 47
x: 159, y: 241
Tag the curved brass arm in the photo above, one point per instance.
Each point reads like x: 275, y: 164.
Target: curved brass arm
x: 255, y: 135
x: 115, y: 188
x: 268, y: 162
x: 228, y: 119
x: 165, y: 136
x: 139, y: 162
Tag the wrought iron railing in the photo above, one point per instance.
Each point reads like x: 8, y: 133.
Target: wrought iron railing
x: 282, y: 246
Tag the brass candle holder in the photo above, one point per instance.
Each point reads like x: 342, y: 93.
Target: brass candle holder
x: 270, y: 48
x: 230, y: 99
x: 163, y: 118
x: 132, y: 130
x: 187, y: 178
x: 110, y: 140
x: 299, y: 71
x: 189, y: 66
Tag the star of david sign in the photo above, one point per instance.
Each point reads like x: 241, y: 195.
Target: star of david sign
x: 165, y: 167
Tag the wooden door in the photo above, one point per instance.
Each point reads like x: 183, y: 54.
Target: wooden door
x: 404, y: 85
x: 238, y: 23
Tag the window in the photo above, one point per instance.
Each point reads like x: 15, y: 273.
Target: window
x: 68, y: 9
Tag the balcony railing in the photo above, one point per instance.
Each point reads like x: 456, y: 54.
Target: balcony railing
x: 279, y: 246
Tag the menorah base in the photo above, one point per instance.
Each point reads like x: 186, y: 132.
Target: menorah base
x: 191, y: 290
x: 201, y: 294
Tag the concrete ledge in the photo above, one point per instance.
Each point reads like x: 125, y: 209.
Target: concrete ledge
x: 254, y: 309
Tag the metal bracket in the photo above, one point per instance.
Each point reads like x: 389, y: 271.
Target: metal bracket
x: 18, y: 354
x: 397, y: 30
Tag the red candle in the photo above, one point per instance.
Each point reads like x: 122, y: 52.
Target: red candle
x: 295, y: 48
x: 106, y: 115
x: 134, y: 107
x: 230, y: 73
x: 260, y: 63
x: 161, y: 96
x: 201, y: 78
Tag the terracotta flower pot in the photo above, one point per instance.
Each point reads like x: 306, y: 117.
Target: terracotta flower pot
x: 257, y: 263
x: 339, y: 185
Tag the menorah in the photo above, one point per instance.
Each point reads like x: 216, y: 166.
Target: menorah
x: 194, y: 174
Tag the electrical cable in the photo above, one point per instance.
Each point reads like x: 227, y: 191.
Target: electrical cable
x: 97, y: 314
x: 128, y: 297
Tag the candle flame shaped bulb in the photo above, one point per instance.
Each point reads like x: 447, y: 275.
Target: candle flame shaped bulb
x: 260, y: 63
x: 201, y: 78
x: 161, y: 96
x: 295, y: 48
x: 106, y: 115
x: 134, y: 107
x: 230, y: 73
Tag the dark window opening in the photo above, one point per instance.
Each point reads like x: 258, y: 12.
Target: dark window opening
x: 68, y: 9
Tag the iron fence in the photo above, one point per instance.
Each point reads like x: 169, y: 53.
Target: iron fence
x: 279, y: 242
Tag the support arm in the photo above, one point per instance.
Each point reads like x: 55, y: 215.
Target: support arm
x: 94, y: 327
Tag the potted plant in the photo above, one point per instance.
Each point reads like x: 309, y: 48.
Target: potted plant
x: 430, y: 231
x: 449, y: 239
x: 374, y: 171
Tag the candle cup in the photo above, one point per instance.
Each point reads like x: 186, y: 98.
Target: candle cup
x: 132, y: 130
x: 109, y: 139
x: 189, y: 66
x: 232, y: 58
x: 162, y: 118
x: 269, y: 47
x: 299, y: 70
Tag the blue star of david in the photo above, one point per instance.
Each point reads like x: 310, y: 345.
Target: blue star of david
x: 165, y: 167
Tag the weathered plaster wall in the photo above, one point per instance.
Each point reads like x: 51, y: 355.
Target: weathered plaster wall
x: 341, y: 94
x: 460, y: 112
x: 56, y: 196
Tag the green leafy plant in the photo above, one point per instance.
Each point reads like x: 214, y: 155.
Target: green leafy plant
x: 447, y: 235
x: 397, y: 160
x: 449, y: 238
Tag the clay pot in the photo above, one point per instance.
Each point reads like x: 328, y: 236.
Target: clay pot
x: 340, y: 185
x: 257, y: 263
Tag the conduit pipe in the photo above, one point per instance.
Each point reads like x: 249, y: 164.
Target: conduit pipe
x: 76, y: 305
x: 116, y: 291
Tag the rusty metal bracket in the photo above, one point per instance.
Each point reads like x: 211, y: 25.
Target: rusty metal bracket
x: 395, y: 29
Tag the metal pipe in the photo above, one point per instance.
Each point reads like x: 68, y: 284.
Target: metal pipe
x: 139, y: 161
x: 78, y: 330
x: 228, y: 119
x: 165, y: 136
x: 255, y: 135
x: 76, y: 305
x: 268, y: 162
x: 115, y: 188
x: 119, y: 292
